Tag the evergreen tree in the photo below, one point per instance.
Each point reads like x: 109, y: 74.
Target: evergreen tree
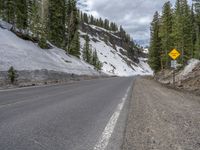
x: 106, y: 24
x: 10, y: 7
x: 155, y: 44
x: 75, y: 45
x: 12, y: 75
x: 85, y: 17
x: 182, y: 29
x: 72, y: 27
x: 197, y: 29
x: 34, y: 16
x: 87, y: 52
x: 21, y: 14
x: 1, y: 8
x: 94, y: 58
x: 193, y: 32
x: 166, y: 34
x: 56, y: 22
x: 99, y: 66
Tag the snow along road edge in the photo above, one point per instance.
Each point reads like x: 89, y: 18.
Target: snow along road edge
x: 108, y: 131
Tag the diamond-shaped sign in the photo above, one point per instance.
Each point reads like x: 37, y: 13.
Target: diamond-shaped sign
x: 174, y: 54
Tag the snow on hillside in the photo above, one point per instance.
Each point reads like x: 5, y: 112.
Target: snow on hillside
x: 25, y: 55
x: 192, y: 63
x: 114, y: 63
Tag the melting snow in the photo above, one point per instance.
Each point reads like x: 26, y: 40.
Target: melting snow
x: 25, y: 55
x: 114, y: 62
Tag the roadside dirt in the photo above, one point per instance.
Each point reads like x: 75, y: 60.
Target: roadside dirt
x: 162, y: 119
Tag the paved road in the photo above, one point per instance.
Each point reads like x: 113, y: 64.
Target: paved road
x: 64, y: 117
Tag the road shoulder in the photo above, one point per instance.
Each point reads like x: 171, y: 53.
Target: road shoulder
x: 162, y: 118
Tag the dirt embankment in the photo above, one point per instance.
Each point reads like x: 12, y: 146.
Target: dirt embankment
x: 42, y: 77
x: 187, y: 79
x: 162, y: 119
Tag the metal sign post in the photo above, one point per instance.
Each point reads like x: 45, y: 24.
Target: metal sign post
x: 174, y: 65
x: 174, y: 54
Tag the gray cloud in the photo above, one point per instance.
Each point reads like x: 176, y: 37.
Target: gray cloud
x: 134, y: 15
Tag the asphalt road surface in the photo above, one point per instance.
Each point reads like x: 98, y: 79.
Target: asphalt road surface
x: 87, y: 115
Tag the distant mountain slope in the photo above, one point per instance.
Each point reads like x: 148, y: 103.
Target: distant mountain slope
x: 110, y: 52
x: 25, y: 55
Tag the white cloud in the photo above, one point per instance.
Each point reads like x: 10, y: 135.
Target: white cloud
x: 134, y: 15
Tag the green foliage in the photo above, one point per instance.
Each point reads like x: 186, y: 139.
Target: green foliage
x: 106, y: 24
x: 165, y: 34
x: 21, y: 14
x: 89, y: 56
x: 178, y: 28
x: 155, y: 45
x: 1, y: 8
x: 73, y: 44
x: 10, y: 11
x: 95, y: 61
x: 43, y: 43
x: 56, y: 22
x: 87, y: 52
x: 12, y: 75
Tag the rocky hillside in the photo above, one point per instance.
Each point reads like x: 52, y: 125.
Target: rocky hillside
x: 113, y: 52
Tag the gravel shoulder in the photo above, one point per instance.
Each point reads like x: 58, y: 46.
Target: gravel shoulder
x: 162, y: 119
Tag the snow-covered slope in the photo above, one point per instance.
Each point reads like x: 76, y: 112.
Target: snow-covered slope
x: 25, y: 55
x: 114, y: 62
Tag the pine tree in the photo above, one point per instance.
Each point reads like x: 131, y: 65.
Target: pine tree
x: 99, y: 66
x: 87, y: 52
x: 182, y: 29
x: 2, y: 9
x: 106, y: 24
x: 72, y: 27
x: 56, y: 22
x: 75, y: 45
x: 10, y: 8
x: 197, y: 28
x: 21, y: 14
x: 85, y: 17
x: 193, y: 32
x: 155, y: 44
x: 187, y: 28
x: 33, y: 13
x: 12, y: 75
x: 166, y: 34
x: 94, y: 58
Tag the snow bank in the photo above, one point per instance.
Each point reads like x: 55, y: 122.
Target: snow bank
x: 192, y: 63
x: 5, y: 25
x: 25, y: 55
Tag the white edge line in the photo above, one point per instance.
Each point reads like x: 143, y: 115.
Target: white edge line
x: 107, y: 133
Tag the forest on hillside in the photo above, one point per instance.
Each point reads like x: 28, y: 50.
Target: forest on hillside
x: 58, y: 22
x: 53, y: 20
x: 176, y: 27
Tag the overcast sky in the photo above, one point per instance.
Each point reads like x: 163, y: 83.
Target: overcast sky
x: 134, y: 15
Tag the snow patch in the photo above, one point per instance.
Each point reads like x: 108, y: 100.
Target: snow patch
x: 192, y: 63
x: 26, y: 55
x: 114, y: 63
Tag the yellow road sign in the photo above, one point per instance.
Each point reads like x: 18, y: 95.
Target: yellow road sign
x: 174, y: 54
